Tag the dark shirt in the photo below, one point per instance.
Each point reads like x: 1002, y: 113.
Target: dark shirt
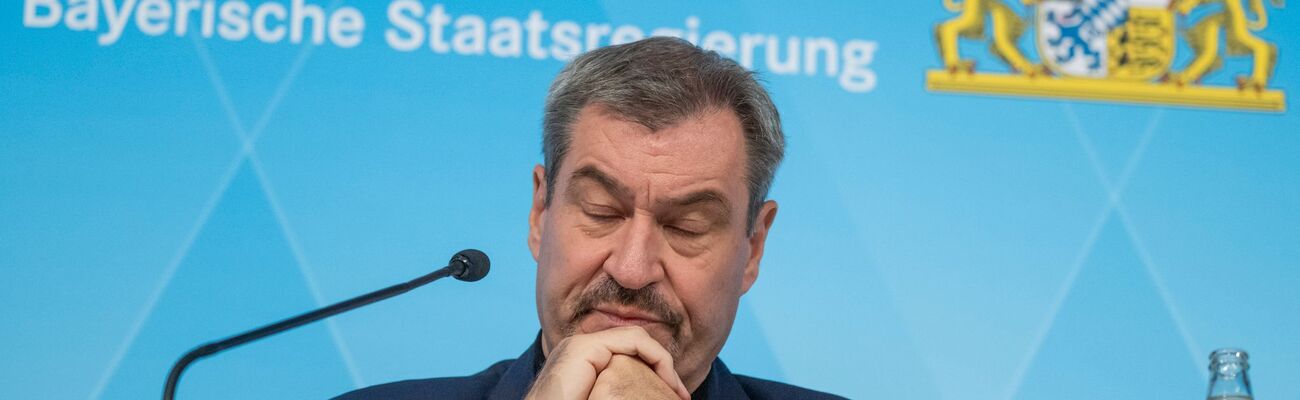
x: 511, y: 379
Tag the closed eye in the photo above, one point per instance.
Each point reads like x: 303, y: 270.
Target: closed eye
x: 603, y: 215
x: 679, y: 231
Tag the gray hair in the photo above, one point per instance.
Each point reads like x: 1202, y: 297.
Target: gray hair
x: 658, y: 82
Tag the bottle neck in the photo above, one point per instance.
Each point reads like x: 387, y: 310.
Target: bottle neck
x: 1234, y: 387
x: 1228, y: 379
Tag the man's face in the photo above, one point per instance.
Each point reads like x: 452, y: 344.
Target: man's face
x: 648, y: 228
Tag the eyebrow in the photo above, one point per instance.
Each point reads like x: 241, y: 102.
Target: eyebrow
x: 609, y: 183
x: 707, y: 198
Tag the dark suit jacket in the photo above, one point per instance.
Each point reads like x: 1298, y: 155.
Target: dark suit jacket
x: 510, y: 379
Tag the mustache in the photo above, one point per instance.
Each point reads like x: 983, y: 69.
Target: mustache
x: 607, y: 291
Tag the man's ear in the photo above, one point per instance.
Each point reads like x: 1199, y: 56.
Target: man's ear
x: 757, y: 239
x: 535, y: 214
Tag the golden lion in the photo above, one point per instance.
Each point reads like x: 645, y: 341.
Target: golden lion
x: 1007, y: 28
x: 1231, y: 18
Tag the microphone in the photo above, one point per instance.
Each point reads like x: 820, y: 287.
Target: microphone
x: 467, y: 265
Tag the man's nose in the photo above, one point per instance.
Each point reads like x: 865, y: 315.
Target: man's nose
x: 635, y: 261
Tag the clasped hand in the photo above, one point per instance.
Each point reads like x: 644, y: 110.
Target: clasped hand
x: 617, y: 363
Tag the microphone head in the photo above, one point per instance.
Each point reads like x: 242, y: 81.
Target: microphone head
x: 470, y: 265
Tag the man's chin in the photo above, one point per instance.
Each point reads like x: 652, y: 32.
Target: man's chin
x: 598, y: 321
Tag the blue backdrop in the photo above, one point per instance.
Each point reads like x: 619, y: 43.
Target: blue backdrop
x: 162, y: 188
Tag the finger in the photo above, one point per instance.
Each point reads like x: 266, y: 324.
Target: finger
x: 641, y: 365
x: 635, y: 341
x: 636, y: 368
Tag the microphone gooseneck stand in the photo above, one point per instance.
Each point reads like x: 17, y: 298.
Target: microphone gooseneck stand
x: 467, y: 265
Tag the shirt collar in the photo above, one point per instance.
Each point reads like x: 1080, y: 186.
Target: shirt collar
x: 720, y: 384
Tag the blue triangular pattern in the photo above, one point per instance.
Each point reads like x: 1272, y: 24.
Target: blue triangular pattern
x: 1114, y: 133
x: 252, y: 75
x: 1113, y: 338
x: 239, y: 274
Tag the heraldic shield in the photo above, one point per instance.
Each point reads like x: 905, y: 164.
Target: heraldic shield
x: 1111, y: 50
x: 1132, y: 40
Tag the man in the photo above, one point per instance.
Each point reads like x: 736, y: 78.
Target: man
x: 648, y: 223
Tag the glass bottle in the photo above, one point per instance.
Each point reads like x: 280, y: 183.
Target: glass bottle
x: 1228, y: 379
